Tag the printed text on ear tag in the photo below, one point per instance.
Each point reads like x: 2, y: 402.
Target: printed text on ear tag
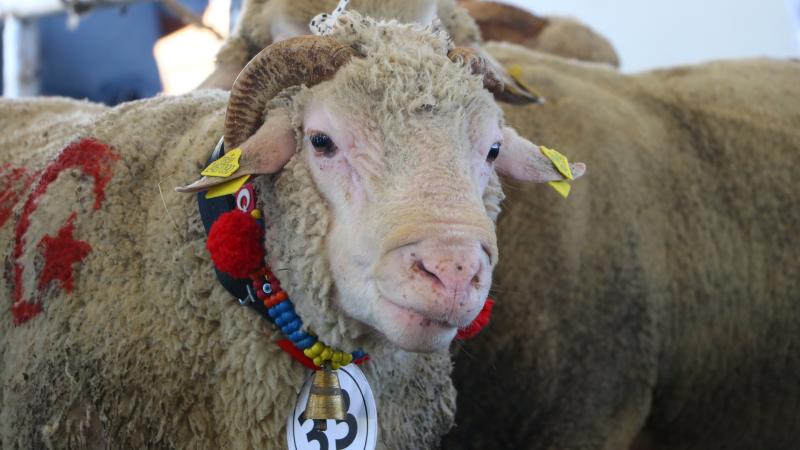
x: 227, y: 188
x: 562, y: 187
x: 559, y: 161
x: 225, y: 166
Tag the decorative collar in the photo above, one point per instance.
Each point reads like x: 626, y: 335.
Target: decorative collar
x: 226, y: 219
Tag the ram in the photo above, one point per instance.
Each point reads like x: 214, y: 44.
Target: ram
x: 376, y: 146
x: 657, y: 308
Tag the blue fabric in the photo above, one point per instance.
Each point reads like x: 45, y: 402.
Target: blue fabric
x: 108, y: 58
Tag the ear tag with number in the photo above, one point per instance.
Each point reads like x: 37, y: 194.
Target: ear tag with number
x: 359, y: 429
x: 225, y: 166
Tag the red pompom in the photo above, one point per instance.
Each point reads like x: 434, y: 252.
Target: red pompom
x: 236, y: 244
x: 477, y: 325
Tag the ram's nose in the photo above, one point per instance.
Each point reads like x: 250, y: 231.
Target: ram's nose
x: 455, y: 270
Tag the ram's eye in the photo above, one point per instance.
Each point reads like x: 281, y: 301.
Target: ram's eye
x: 323, y: 144
x: 494, y: 152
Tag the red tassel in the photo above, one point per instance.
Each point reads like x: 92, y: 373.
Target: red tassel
x: 236, y: 244
x: 477, y: 325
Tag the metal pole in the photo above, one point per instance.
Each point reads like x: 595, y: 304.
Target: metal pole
x: 20, y: 58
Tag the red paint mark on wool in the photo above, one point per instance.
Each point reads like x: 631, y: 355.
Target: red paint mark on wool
x: 91, y: 157
x: 60, y: 254
x: 13, y: 181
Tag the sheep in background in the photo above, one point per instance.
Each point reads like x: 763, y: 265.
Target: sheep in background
x: 560, y: 36
x: 125, y: 339
x: 263, y: 22
x: 658, y: 307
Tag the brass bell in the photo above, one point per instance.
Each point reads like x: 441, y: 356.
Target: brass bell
x: 325, y: 400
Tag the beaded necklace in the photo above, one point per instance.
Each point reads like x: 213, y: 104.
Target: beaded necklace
x: 306, y: 348
x: 235, y: 229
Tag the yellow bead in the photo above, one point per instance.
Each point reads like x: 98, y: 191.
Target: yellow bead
x: 317, y: 361
x: 326, y: 354
x: 335, y: 365
x: 337, y: 357
x: 315, y: 349
x: 256, y: 213
x: 347, y: 358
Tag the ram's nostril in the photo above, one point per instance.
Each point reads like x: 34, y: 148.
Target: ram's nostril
x: 476, y: 282
x: 419, y: 266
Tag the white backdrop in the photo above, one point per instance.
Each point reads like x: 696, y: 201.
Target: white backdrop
x: 649, y: 33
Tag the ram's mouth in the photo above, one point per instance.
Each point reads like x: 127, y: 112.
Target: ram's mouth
x: 425, y: 320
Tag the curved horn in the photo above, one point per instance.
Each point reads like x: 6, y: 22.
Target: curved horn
x: 478, y: 65
x: 299, y: 60
x: 504, y: 87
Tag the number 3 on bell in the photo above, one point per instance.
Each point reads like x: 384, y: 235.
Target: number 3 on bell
x: 358, y: 430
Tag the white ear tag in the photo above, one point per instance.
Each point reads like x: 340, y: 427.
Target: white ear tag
x: 359, y: 430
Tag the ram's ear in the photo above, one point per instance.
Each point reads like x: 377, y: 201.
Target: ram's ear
x: 523, y: 160
x: 265, y: 152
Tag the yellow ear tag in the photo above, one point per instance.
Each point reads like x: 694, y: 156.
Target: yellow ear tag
x: 562, y: 187
x: 227, y: 188
x: 559, y: 161
x: 225, y: 166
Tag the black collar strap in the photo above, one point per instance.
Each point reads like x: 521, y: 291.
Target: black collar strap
x: 210, y: 210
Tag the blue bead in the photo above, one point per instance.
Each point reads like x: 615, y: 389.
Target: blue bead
x: 273, y: 312
x: 305, y: 343
x: 280, y: 321
x: 288, y: 316
x: 284, y: 306
x: 291, y: 327
x: 297, y: 336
